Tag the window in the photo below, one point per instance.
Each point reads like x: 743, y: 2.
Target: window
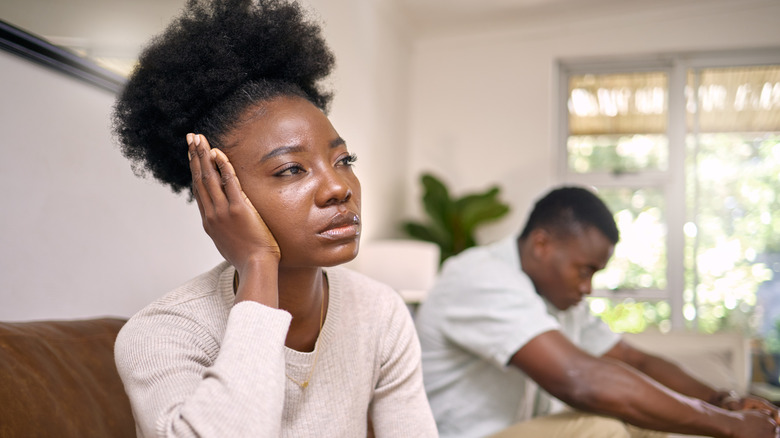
x: 685, y: 150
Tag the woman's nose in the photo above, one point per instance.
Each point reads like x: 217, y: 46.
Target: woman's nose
x: 334, y: 188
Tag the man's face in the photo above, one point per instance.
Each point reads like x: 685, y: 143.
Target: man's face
x: 568, y: 263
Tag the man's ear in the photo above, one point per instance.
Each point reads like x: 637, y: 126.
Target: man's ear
x: 540, y: 240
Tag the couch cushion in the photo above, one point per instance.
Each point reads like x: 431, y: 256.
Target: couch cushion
x: 58, y: 378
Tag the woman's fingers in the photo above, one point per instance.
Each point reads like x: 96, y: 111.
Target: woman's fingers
x: 209, y: 175
x: 230, y: 181
x: 228, y: 216
x: 238, y: 200
x: 197, y: 186
x: 217, y: 189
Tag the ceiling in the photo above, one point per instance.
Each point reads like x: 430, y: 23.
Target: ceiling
x: 114, y: 30
x: 433, y: 16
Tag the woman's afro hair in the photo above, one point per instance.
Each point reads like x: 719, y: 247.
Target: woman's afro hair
x: 210, y: 64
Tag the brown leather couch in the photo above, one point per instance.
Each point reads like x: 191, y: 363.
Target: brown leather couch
x: 58, y: 379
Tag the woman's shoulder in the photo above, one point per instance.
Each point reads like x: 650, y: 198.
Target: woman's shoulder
x: 373, y: 313
x: 200, y: 303
x: 208, y: 285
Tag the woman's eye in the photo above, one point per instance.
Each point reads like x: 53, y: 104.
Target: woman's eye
x: 289, y: 171
x: 348, y: 160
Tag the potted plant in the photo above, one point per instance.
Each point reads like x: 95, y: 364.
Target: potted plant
x: 452, y: 221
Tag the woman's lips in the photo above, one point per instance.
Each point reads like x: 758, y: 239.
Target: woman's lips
x: 342, y: 226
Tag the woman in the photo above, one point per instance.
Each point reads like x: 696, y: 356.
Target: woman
x: 275, y: 341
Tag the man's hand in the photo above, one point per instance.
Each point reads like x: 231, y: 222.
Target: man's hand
x: 757, y: 424
x: 755, y: 404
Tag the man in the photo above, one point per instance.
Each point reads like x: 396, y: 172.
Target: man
x: 505, y: 328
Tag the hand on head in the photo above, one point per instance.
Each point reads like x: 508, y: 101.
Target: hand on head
x: 229, y: 218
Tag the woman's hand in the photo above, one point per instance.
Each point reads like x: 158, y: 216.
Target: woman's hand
x: 232, y: 222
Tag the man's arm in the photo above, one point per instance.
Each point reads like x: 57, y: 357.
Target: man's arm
x: 675, y: 378
x: 663, y: 371
x: 610, y: 387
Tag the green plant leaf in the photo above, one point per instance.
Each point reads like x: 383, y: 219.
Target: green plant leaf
x: 437, y: 201
x: 428, y: 233
x: 453, y: 221
x: 477, y: 208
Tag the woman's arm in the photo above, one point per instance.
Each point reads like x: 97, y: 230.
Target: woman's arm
x: 184, y: 383
x: 400, y: 406
x: 180, y: 379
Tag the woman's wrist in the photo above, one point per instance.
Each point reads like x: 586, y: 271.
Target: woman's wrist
x: 263, y: 263
x: 258, y: 280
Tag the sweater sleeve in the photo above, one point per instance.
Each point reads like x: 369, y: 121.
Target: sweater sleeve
x: 400, y: 407
x: 184, y: 383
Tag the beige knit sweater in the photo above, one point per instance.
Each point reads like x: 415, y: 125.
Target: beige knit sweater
x: 193, y: 364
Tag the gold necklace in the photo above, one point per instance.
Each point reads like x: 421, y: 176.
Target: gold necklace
x: 305, y: 383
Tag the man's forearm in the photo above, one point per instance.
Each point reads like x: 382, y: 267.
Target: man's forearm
x: 612, y: 385
x: 620, y: 391
x: 676, y: 379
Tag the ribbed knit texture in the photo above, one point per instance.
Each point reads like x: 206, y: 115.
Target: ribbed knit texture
x: 193, y: 364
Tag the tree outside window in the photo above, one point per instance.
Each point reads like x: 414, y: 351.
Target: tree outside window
x: 686, y: 152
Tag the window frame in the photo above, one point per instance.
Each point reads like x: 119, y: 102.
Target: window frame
x: 671, y: 181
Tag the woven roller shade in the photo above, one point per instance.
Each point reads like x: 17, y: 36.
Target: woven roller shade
x: 744, y: 99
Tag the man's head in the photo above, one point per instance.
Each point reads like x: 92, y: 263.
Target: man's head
x: 570, y: 235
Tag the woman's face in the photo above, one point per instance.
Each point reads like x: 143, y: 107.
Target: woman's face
x: 296, y: 170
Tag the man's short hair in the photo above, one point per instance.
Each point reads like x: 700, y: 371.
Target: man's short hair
x: 567, y: 209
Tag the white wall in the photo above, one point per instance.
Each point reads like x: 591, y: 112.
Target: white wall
x: 370, y: 108
x: 81, y: 236
x: 482, y: 103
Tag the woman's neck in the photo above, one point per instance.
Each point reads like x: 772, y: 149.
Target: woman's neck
x: 303, y: 293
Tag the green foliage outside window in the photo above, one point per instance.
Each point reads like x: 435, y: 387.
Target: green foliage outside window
x: 639, y: 260
x: 632, y: 316
x: 617, y: 153
x: 737, y: 226
x: 734, y: 200
x: 617, y: 142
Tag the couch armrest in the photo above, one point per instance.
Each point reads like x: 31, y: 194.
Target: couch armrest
x: 58, y: 378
